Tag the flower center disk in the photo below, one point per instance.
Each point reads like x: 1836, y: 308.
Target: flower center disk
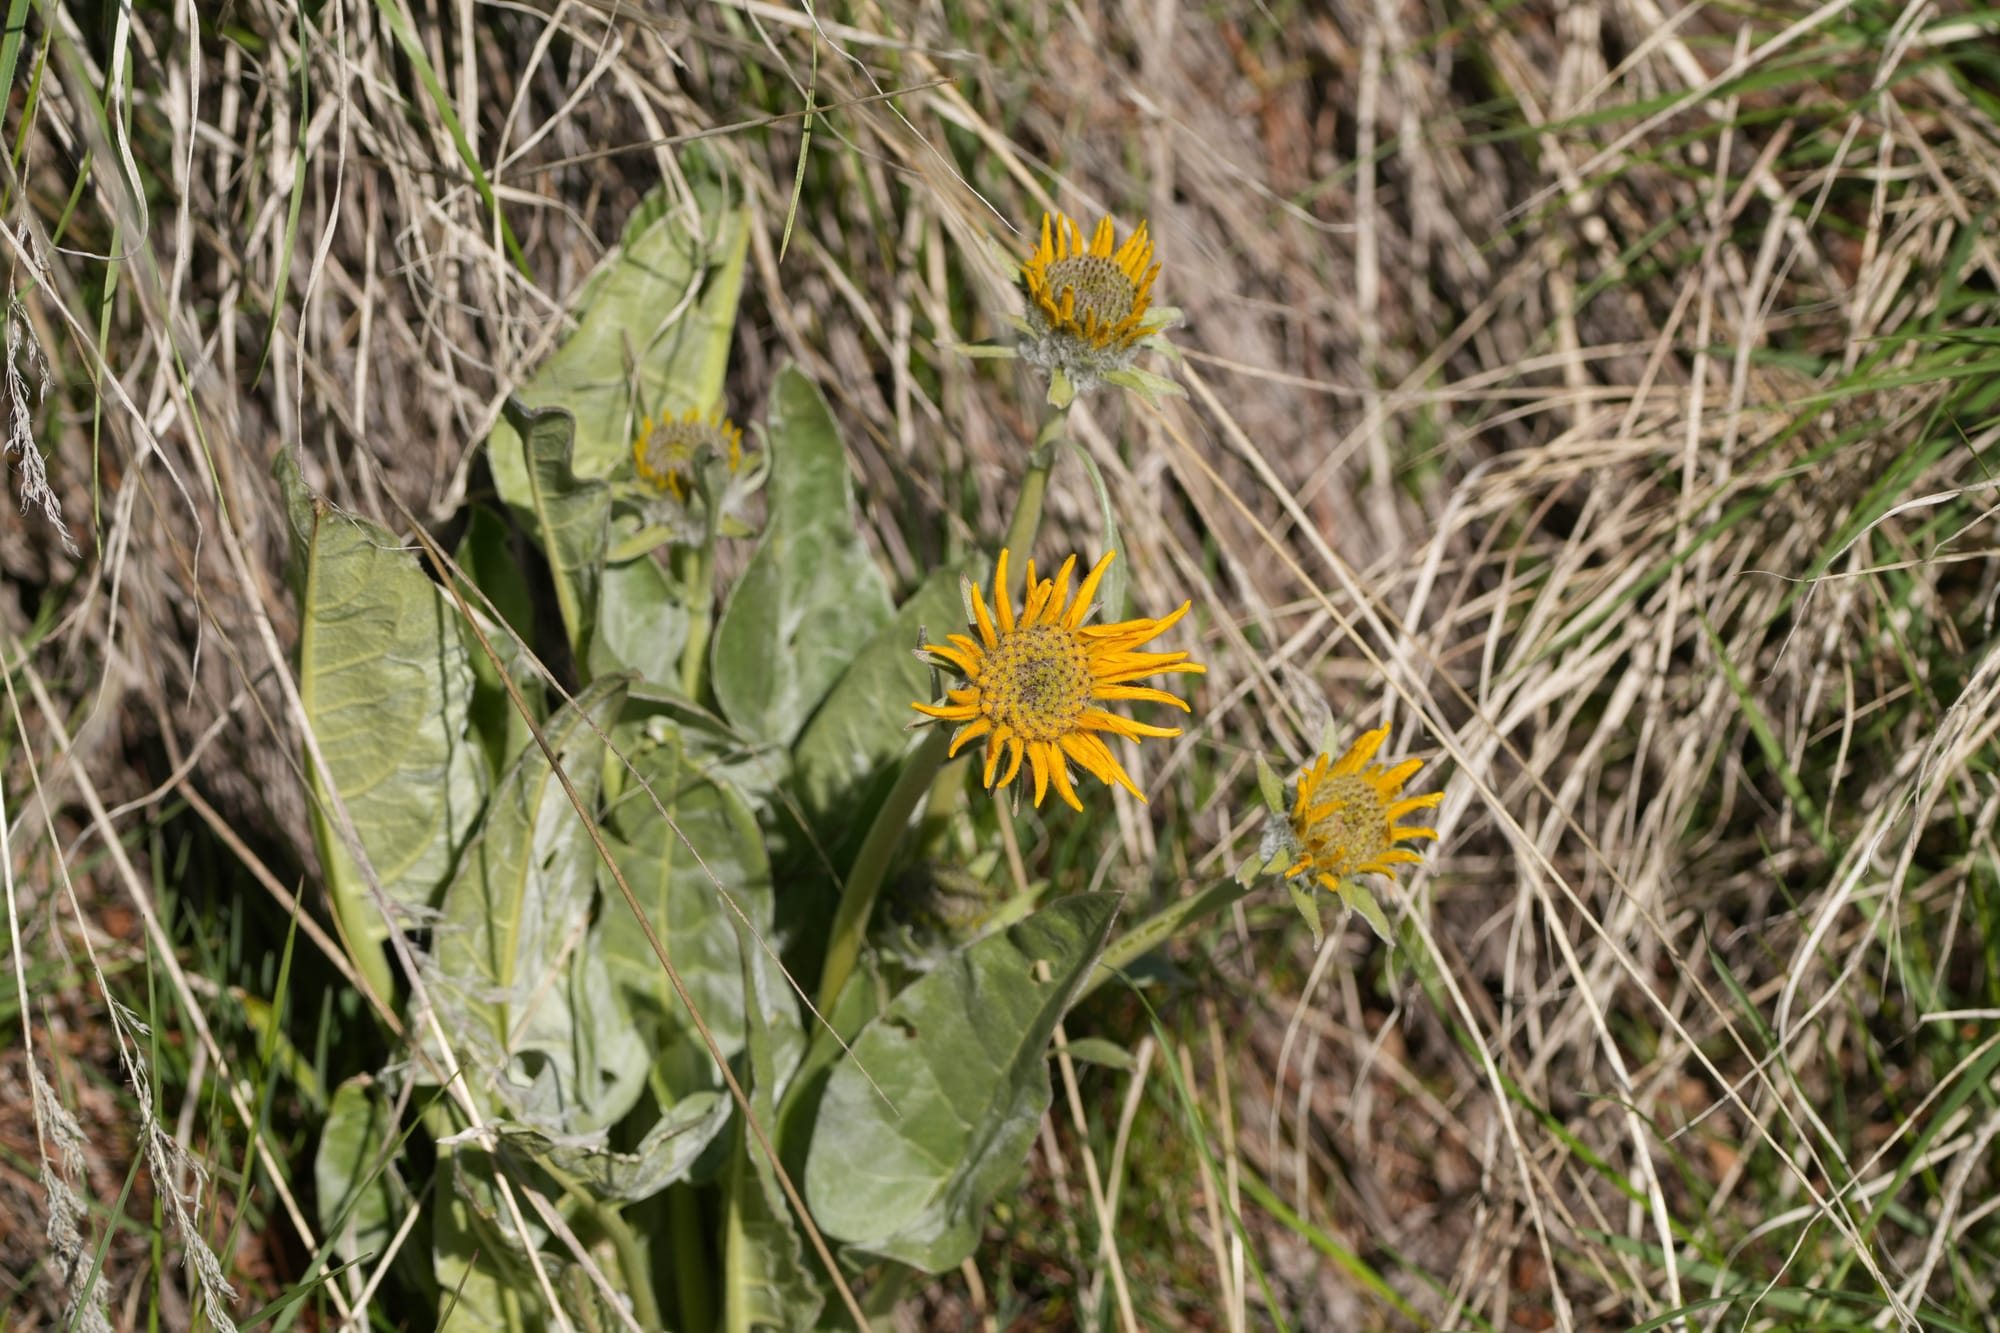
x: 1037, y: 681
x: 1356, y: 831
x: 1100, y: 286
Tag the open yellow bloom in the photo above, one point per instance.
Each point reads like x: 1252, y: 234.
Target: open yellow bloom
x: 1092, y: 294
x: 668, y: 453
x: 1032, y: 684
x: 1344, y: 820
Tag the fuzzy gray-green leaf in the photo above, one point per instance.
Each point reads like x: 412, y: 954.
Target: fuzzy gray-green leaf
x: 679, y: 879
x: 642, y: 623
x: 517, y: 968
x: 960, y: 1058
x: 361, y: 1193
x: 571, y: 517
x: 386, y: 686
x: 811, y: 597
x: 862, y: 726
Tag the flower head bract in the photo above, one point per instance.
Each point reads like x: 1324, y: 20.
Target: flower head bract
x: 1089, y: 303
x: 670, y: 453
x: 1034, y: 683
x: 1344, y: 818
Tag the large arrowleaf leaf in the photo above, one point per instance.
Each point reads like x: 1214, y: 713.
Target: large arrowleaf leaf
x: 653, y: 327
x: 863, y: 725
x: 486, y: 555
x: 572, y: 516
x: 642, y: 623
x: 483, y: 1277
x: 386, y: 685
x: 765, y: 1281
x: 681, y: 879
x: 959, y: 1057
x: 362, y: 1197
x: 811, y: 596
x: 517, y: 966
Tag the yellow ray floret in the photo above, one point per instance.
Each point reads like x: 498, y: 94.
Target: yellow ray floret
x: 1034, y: 683
x: 1344, y: 820
x: 1094, y: 293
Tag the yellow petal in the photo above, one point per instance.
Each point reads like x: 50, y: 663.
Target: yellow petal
x: 1362, y: 751
x: 1143, y: 693
x: 1059, y: 775
x: 1081, y: 607
x: 1014, y: 751
x: 1003, y: 604
x: 1058, y: 601
x: 970, y: 731
x: 1401, y: 808
x: 982, y: 620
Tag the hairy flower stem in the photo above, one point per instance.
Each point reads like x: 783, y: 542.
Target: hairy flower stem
x: 701, y: 601
x: 871, y: 863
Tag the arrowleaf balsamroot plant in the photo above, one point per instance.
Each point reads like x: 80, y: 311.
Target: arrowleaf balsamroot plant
x: 622, y: 1008
x: 1621, y: 402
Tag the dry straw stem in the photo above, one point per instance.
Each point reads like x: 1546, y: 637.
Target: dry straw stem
x: 1545, y: 368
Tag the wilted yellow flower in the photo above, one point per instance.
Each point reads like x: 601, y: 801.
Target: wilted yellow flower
x: 668, y: 454
x: 1090, y: 305
x: 1344, y: 819
x: 1033, y: 684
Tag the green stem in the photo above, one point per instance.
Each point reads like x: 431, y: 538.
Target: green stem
x: 871, y: 863
x: 1027, y: 516
x: 691, y: 1271
x: 701, y: 604
x: 632, y: 1262
x: 1156, y: 930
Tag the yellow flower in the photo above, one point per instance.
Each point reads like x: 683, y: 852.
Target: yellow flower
x: 1093, y: 294
x: 1090, y: 305
x: 1344, y: 820
x: 1033, y: 684
x: 669, y: 453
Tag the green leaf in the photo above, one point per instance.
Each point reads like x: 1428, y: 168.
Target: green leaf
x: 486, y: 554
x: 1062, y: 390
x: 988, y: 351
x: 1362, y: 900
x: 516, y: 969
x: 1137, y: 941
x: 1111, y: 592
x: 386, y: 686
x: 1306, y: 899
x: 484, y: 1284
x: 1153, y: 387
x: 572, y: 516
x: 1272, y: 789
x: 362, y: 1199
x: 766, y: 1283
x: 811, y: 597
x: 680, y: 879
x: 642, y: 624
x: 666, y: 1154
x: 643, y: 541
x: 959, y: 1057
x: 1098, y: 1051
x: 858, y: 734
x: 653, y: 328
